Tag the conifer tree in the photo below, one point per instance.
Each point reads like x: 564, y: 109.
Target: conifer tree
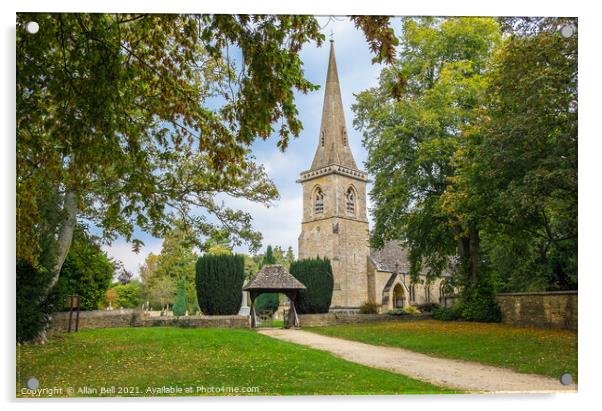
x: 181, y: 303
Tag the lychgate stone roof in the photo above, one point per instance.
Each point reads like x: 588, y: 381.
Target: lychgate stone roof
x: 273, y: 277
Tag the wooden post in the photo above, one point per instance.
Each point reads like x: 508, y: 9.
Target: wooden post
x: 70, y: 312
x: 293, y: 317
x: 77, y: 313
x: 253, y: 317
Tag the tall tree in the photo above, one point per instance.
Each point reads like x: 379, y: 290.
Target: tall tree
x: 413, y: 125
x: 290, y: 255
x: 269, y: 257
x: 161, y: 292
x: 517, y: 172
x: 176, y: 260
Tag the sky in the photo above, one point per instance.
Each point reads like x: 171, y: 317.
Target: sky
x: 280, y: 224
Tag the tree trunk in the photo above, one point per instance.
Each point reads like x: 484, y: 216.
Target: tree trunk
x: 463, y: 251
x: 65, y: 233
x: 474, y: 248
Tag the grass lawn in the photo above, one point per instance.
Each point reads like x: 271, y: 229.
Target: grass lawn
x: 142, y: 358
x: 528, y: 350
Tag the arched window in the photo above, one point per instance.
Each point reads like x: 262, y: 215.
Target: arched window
x: 427, y: 293
x: 350, y: 197
x: 412, y: 293
x: 318, y: 201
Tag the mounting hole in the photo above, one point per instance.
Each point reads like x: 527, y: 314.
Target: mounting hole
x: 567, y: 30
x: 32, y: 27
x: 566, y: 379
x: 33, y: 383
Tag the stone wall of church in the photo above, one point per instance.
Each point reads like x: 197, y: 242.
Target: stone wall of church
x: 372, y: 274
x: 334, y: 187
x: 424, y: 292
x: 345, y: 243
x: 338, y: 235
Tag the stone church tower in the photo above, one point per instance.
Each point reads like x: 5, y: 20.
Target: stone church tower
x: 335, y: 223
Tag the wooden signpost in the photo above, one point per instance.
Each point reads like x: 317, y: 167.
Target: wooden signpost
x: 73, y: 305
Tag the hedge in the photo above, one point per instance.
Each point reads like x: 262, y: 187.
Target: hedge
x: 316, y: 275
x: 219, y: 281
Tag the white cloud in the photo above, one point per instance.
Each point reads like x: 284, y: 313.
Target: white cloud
x: 122, y: 251
x: 279, y: 224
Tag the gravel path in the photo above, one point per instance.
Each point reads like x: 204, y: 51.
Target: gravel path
x: 464, y: 375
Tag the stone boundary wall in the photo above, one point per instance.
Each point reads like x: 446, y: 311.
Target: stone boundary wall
x: 94, y: 319
x: 339, y: 318
x: 197, y: 321
x: 552, y: 309
x: 137, y: 318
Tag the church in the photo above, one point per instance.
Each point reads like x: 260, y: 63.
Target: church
x: 335, y: 222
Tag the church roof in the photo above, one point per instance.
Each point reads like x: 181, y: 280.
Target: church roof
x: 333, y: 145
x: 393, y: 257
x: 273, y: 277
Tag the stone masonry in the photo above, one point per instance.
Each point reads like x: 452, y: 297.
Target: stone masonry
x: 551, y: 309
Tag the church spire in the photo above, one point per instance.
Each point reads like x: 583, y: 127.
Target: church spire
x: 333, y: 145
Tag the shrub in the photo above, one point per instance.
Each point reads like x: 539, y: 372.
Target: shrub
x: 427, y: 307
x: 34, y: 306
x: 478, y: 304
x: 446, y: 313
x: 219, y: 281
x: 181, y: 303
x: 316, y: 275
x: 87, y: 271
x: 267, y: 302
x: 397, y: 311
x: 368, y: 308
x: 128, y: 295
x: 410, y: 309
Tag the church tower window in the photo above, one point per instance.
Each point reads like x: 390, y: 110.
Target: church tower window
x: 319, y: 201
x: 350, y: 197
